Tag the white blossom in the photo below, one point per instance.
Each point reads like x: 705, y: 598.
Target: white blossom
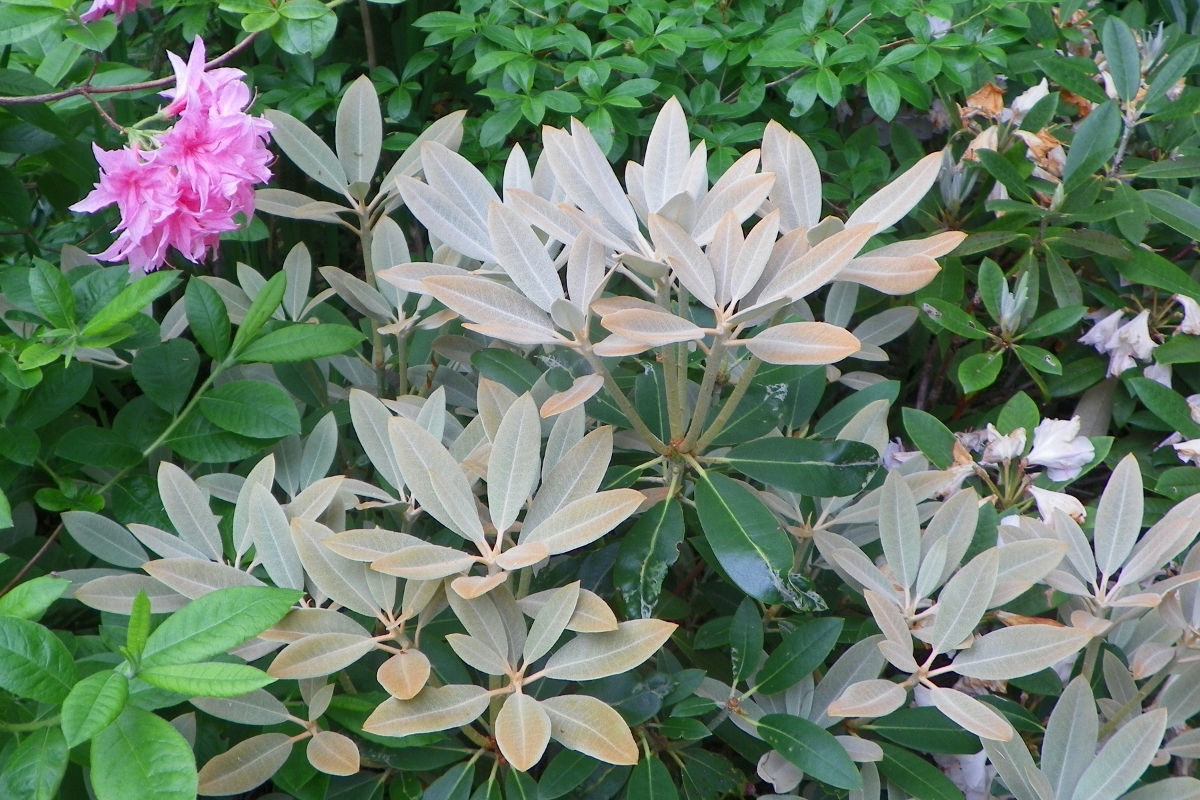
x: 1102, y: 332
x: 1131, y: 341
x: 1059, y: 448
x: 1188, y: 451
x: 1193, y: 401
x: 1159, y: 373
x: 1003, y: 448
x: 1025, y: 101
x: 972, y: 774
x: 1191, y: 315
x: 894, y: 454
x: 1048, y: 502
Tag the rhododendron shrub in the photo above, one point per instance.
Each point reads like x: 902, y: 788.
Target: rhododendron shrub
x: 184, y: 186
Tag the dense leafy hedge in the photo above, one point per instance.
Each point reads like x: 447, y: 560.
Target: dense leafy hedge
x: 541, y: 400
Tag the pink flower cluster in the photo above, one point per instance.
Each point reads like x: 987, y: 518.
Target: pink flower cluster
x: 185, y: 188
x: 119, y: 9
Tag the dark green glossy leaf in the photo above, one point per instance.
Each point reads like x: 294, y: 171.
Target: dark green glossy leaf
x: 207, y: 318
x: 925, y: 729
x: 745, y: 537
x: 646, y: 552
x: 256, y: 409
x: 35, y: 769
x: 811, y: 748
x: 34, y: 663
x: 166, y: 373
x: 916, y: 776
x: 800, y: 652
x: 815, y: 468
x: 930, y: 436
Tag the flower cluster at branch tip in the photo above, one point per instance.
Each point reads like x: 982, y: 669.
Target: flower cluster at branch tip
x: 118, y: 8
x: 184, y: 187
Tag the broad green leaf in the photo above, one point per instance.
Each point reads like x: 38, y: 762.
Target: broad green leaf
x: 256, y: 409
x: 207, y: 318
x: 565, y: 771
x: 930, y: 436
x: 650, y: 780
x: 215, y: 623
x: 206, y: 680
x: 1124, y: 61
x: 810, y: 467
x: 979, y: 371
x: 1173, y: 210
x: 35, y: 769
x: 166, y: 372
x: 1167, y: 404
x: 93, y: 704
x: 1094, y: 143
x: 745, y: 537
x: 34, y: 663
x: 1005, y: 174
x: 646, y: 552
x: 745, y: 640
x: 30, y: 600
x: 130, y: 301
x: 141, y: 755
x: 811, y: 748
x: 52, y: 294
x: 916, y: 776
x: 18, y: 23
x: 800, y: 652
x: 519, y: 786
x: 953, y: 318
x: 301, y: 342
x: 925, y: 729
x: 265, y: 302
x: 1151, y: 268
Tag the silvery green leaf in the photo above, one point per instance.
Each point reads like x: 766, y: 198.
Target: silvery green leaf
x: 522, y: 731
x: 1167, y: 789
x: 245, y: 766
x: 1015, y: 765
x: 259, y: 707
x: 115, y: 593
x: 554, y: 220
x: 933, y: 564
x: 551, y: 621
x: 319, y: 655
x: 1079, y: 550
x: 285, y: 203
x: 513, y: 619
x: 104, y: 539
x: 487, y: 303
x: 424, y: 562
x: 886, y: 325
x: 447, y: 131
x: 482, y: 619
x: 861, y: 661
x: 370, y: 418
x: 889, y: 619
x: 272, y: 536
x: 516, y: 172
x: 316, y: 499
x: 597, y: 655
x: 1118, y: 516
x: 585, y: 271
x: 358, y: 294
x: 816, y: 266
x: 753, y: 256
x: 369, y: 544
x: 861, y: 569
x: 691, y: 265
x: 971, y: 714
x: 263, y: 476
x: 297, y: 265
x: 591, y: 615
x: 742, y: 198
x: 1022, y: 650
x: 307, y: 151
x: 892, y: 202
x: 359, y: 131
x: 187, y: 507
x: 477, y: 654
x: 585, y: 520
x: 288, y: 453
x: 236, y: 301
x: 302, y: 622
x: 517, y: 451
x: 900, y: 529
x: 434, y: 709
x: 592, y: 727
x: 840, y: 303
x: 797, y: 189
x: 1023, y: 564
x: 459, y: 181
x: 1182, y: 696
x: 667, y: 152
x: 432, y: 416
x: 449, y: 223
x: 1120, y: 684
x: 566, y: 432
x: 166, y: 545
x: 1123, y: 759
x: 963, y: 600
x: 420, y: 455
x: 1161, y: 543
x: 194, y: 578
x: 576, y: 474
x: 723, y: 254
x: 870, y: 698
x: 869, y: 425
x: 319, y: 451
x: 955, y: 521
x: 603, y: 189
x: 342, y: 580
x: 521, y: 254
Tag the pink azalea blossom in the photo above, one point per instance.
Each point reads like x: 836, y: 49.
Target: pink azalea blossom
x: 118, y: 8
x: 186, y: 190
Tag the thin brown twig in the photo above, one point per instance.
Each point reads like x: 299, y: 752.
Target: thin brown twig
x: 86, y: 88
x: 104, y: 115
x: 29, y: 564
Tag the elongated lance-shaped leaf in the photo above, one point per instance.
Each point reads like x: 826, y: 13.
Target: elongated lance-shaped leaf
x: 797, y: 189
x: 1022, y: 650
x: 307, y: 151
x: 1016, y: 768
x: 523, y: 256
x: 419, y: 455
x: 1071, y: 734
x: 1118, y: 516
x: 551, y: 621
x: 522, y: 731
x: 667, y: 154
x: 646, y: 552
x: 434, y: 709
x: 1123, y: 759
x: 370, y: 418
x: 974, y: 716
x: 516, y: 454
x: 963, y: 601
x: 591, y: 726
x: 187, y: 506
x: 272, y: 536
x: 900, y: 529
x: 359, y: 134
x: 339, y: 578
x: 810, y: 748
x: 597, y: 655
x: 245, y: 766
x: 887, y: 206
